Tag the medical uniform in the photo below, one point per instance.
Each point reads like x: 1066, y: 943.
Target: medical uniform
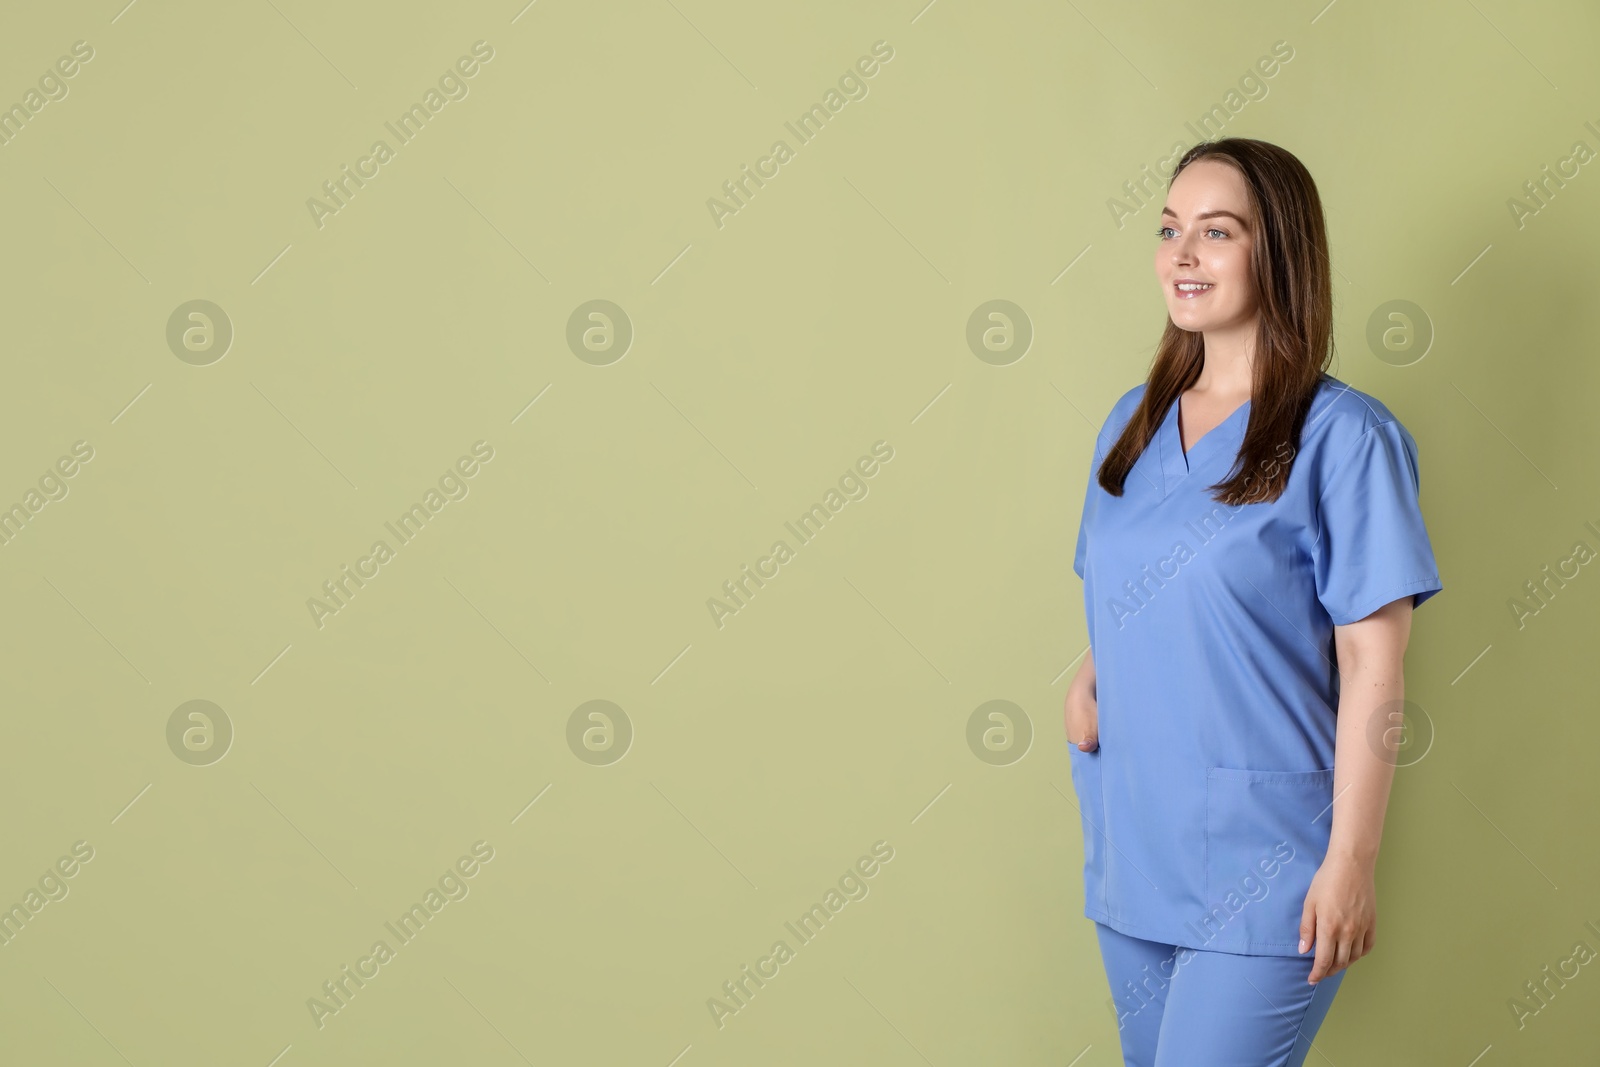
x: 1207, y: 807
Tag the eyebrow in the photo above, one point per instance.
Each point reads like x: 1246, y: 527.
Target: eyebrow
x: 1207, y: 215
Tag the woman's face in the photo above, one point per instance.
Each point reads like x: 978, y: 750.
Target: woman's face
x: 1197, y: 244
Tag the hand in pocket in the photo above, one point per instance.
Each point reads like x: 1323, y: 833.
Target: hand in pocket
x: 1082, y: 710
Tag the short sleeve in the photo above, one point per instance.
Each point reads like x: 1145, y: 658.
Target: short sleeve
x: 1091, y: 497
x: 1372, y: 547
x: 1088, y: 504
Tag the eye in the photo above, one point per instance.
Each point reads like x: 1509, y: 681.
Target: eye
x: 1162, y: 232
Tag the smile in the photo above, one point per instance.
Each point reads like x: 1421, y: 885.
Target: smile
x: 1190, y: 290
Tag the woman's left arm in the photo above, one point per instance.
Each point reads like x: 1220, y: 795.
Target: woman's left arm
x: 1340, y: 917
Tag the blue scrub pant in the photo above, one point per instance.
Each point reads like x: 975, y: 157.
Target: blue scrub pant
x: 1191, y: 1008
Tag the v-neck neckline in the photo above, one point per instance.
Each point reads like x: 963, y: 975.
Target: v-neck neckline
x: 1176, y: 464
x: 1177, y: 425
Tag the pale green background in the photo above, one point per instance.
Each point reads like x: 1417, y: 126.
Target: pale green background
x: 832, y: 712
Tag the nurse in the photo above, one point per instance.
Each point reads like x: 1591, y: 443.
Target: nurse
x: 1251, y: 550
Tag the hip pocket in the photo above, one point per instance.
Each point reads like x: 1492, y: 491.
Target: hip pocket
x: 1092, y: 813
x: 1266, y: 835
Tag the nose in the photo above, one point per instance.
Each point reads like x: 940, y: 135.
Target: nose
x: 1183, y: 253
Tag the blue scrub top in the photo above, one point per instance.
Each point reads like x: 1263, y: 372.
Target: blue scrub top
x: 1207, y: 807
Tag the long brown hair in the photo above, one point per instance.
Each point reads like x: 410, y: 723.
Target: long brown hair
x: 1294, y: 332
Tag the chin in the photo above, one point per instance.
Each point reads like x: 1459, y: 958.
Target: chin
x: 1186, y: 318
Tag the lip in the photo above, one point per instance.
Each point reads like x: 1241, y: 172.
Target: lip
x: 1181, y: 295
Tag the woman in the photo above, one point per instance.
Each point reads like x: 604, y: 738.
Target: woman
x: 1251, y: 549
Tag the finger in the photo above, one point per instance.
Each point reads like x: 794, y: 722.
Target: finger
x: 1308, y: 925
x: 1370, y: 940
x: 1342, y: 948
x: 1324, y: 958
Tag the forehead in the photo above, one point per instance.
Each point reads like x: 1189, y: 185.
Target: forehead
x: 1206, y: 187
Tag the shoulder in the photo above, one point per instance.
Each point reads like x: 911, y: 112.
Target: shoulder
x: 1112, y: 425
x: 1346, y: 410
x: 1344, y: 423
x: 1128, y: 401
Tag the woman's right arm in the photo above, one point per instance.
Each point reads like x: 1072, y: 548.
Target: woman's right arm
x: 1082, y: 707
